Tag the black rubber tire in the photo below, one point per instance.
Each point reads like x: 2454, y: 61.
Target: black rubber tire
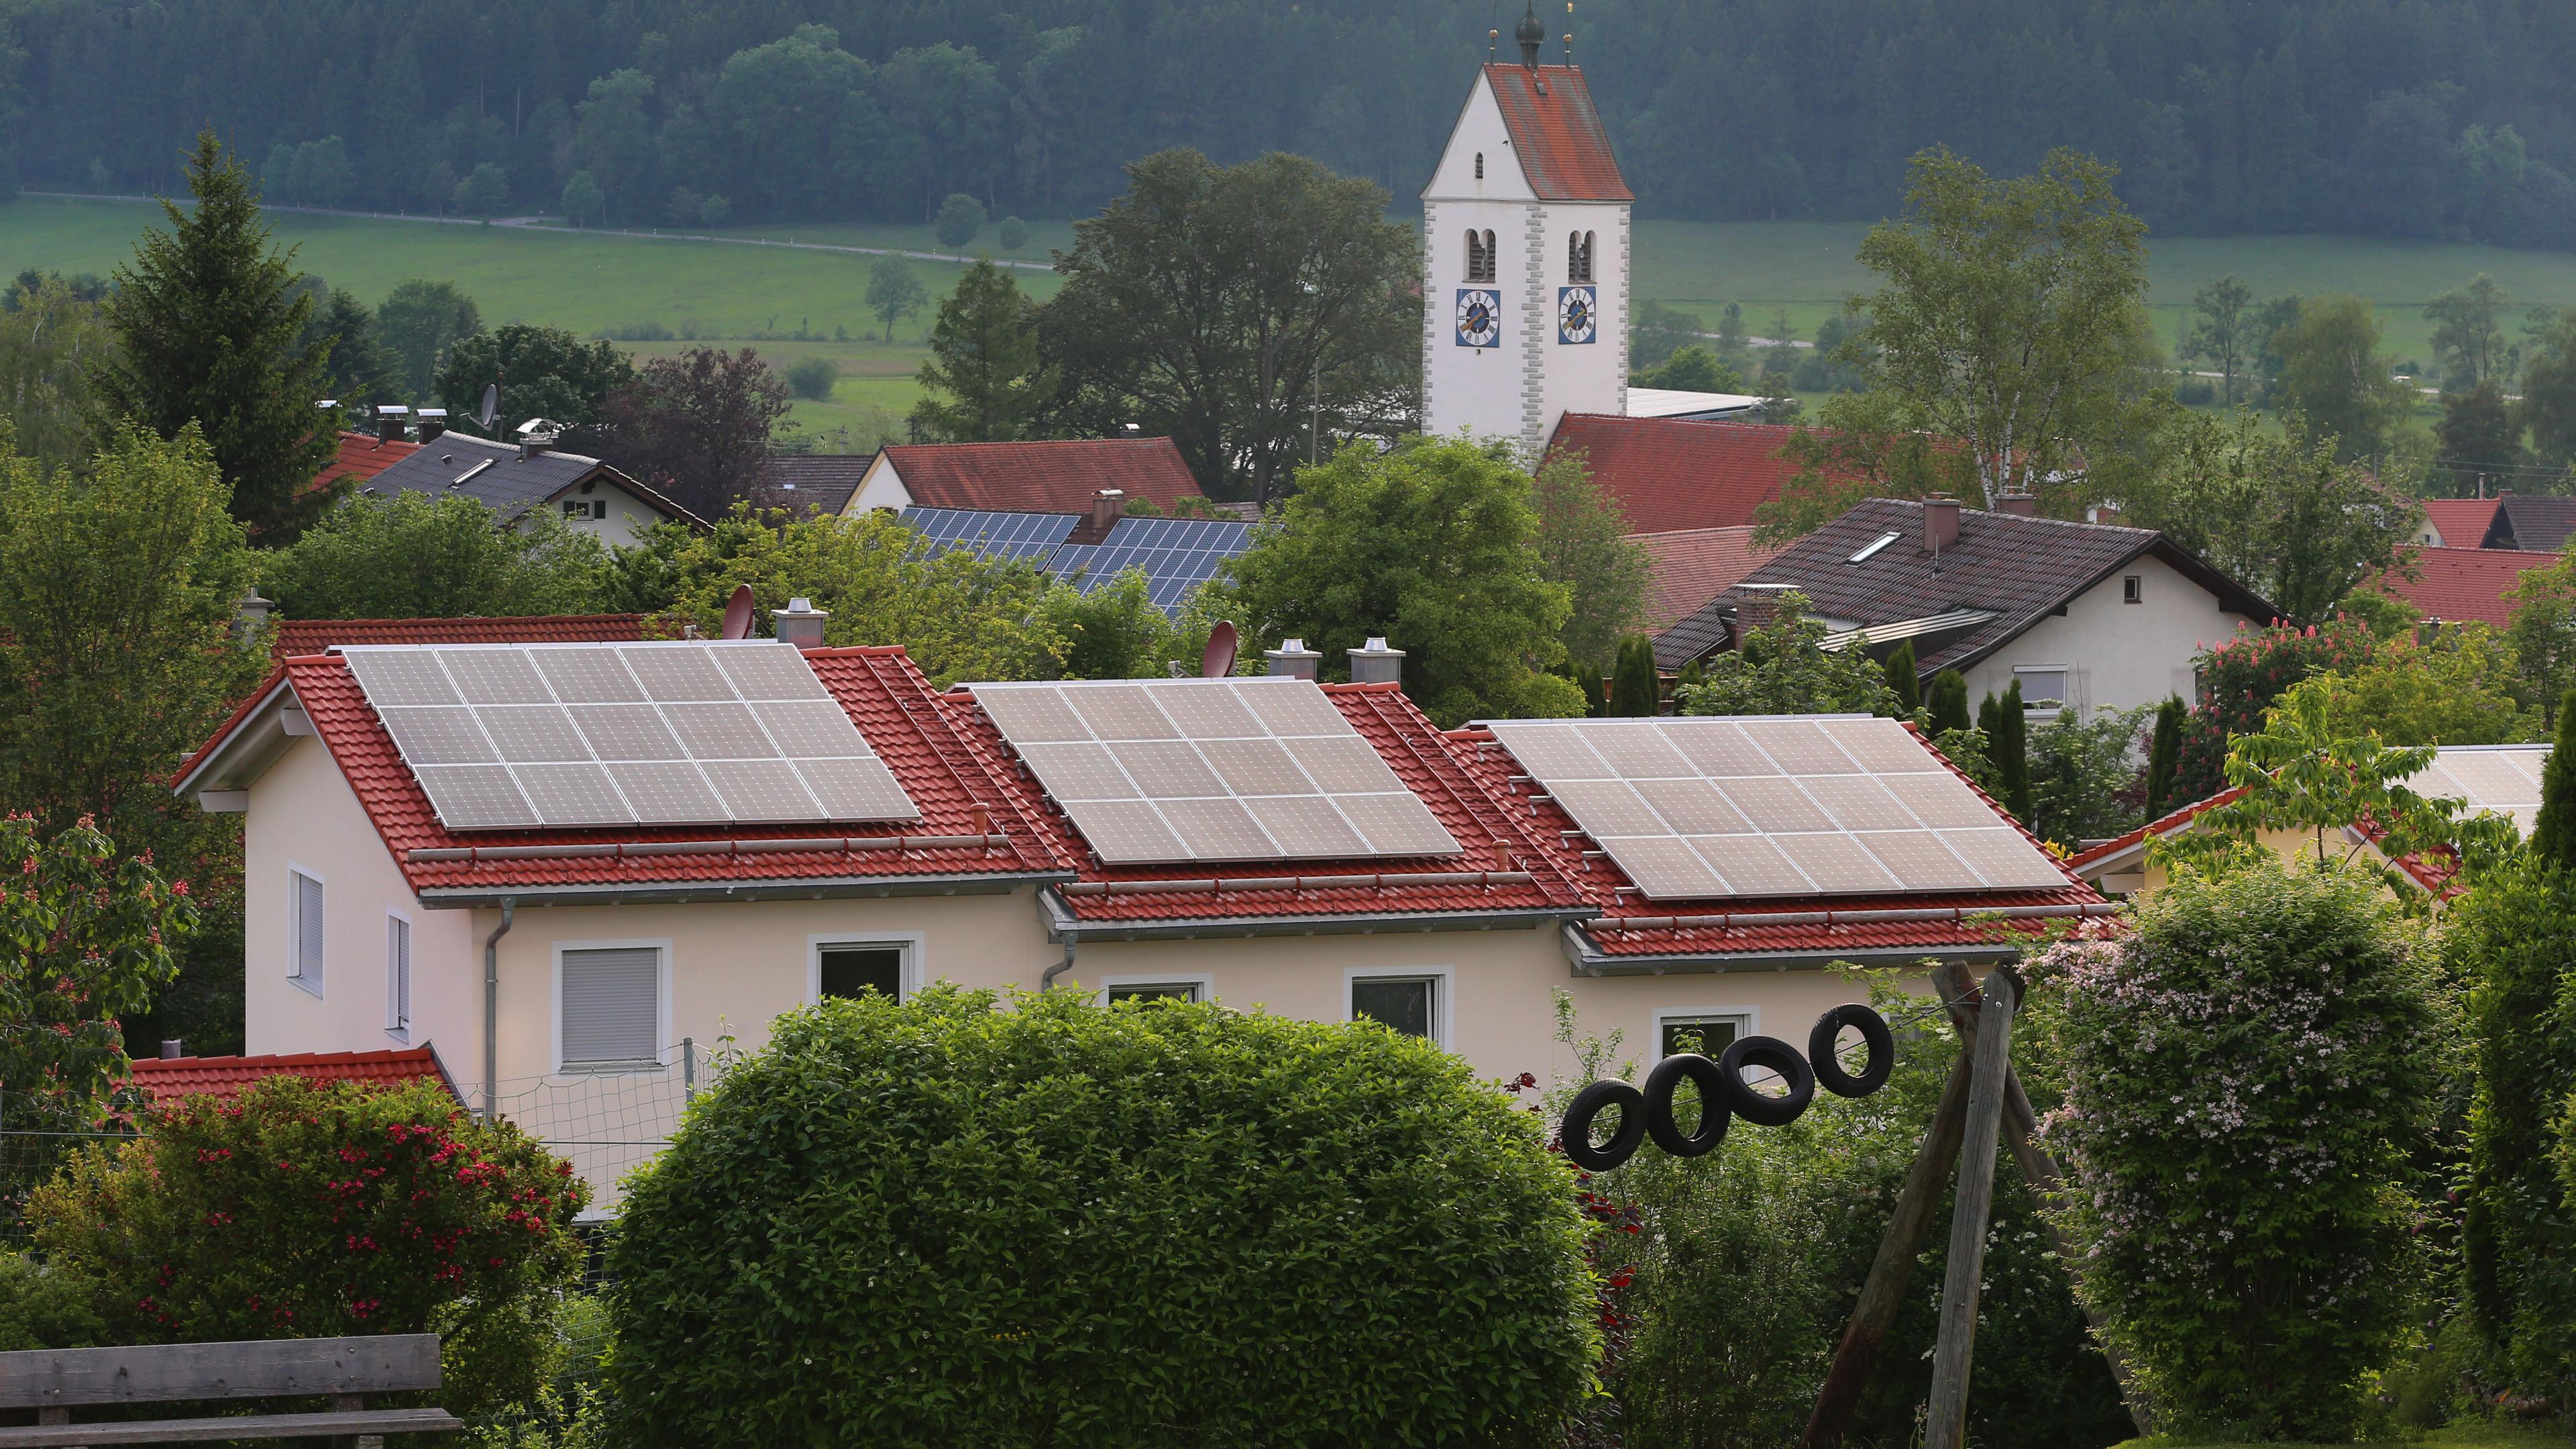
x: 1669, y: 1074
x: 1576, y: 1131
x: 1762, y: 1109
x: 1827, y: 1063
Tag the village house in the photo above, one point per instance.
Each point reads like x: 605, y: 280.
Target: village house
x: 517, y: 481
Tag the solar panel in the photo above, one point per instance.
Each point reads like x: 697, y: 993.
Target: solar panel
x: 670, y: 733
x: 1773, y: 806
x: 1176, y: 555
x: 1005, y: 535
x: 1171, y: 770
x: 2504, y: 779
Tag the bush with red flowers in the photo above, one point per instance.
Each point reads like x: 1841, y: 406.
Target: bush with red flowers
x: 947, y: 1222
x: 309, y: 1210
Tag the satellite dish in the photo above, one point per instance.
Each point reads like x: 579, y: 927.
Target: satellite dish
x: 491, y: 405
x: 738, y: 613
x: 1218, y: 661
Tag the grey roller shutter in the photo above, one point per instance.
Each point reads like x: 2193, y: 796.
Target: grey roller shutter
x: 397, y: 974
x: 308, y: 929
x: 611, y: 1006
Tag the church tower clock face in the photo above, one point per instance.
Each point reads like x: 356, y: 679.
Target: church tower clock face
x: 1480, y: 317
x: 1576, y: 318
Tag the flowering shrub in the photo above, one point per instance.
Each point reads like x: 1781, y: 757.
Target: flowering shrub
x: 2244, y: 676
x: 306, y: 1210
x: 2247, y: 1077
x: 943, y: 1222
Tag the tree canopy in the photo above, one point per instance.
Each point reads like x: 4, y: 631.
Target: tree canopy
x: 544, y: 372
x: 412, y: 556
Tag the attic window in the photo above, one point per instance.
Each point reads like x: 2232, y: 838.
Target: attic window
x: 1871, y: 549
x: 2133, y: 589
x: 1480, y: 165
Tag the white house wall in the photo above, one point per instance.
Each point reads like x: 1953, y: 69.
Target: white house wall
x: 2118, y: 655
x: 879, y: 487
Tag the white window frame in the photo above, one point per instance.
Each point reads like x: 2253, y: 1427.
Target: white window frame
x: 661, y: 946
x: 295, y: 927
x: 1444, y: 993
x: 2133, y: 588
x: 913, y: 944
x: 2065, y: 688
x: 398, y: 993
x: 1201, y: 982
x: 1748, y: 1019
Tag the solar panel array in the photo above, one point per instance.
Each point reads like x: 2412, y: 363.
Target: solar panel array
x: 1169, y: 770
x: 1007, y: 535
x: 1177, y: 555
x: 678, y: 733
x: 2504, y: 779
x: 1784, y: 806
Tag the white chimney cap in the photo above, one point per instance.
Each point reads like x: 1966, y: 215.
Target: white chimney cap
x: 1376, y: 644
x: 392, y: 410
x: 800, y: 606
x: 1292, y: 645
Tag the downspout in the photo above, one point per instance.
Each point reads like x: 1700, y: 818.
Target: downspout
x: 492, y: 1012
x: 1047, y: 981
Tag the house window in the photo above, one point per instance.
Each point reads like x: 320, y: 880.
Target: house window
x: 611, y: 1008
x: 1480, y: 165
x: 305, y: 969
x: 1480, y: 255
x: 850, y: 969
x: 2042, y: 689
x: 1407, y: 1004
x: 585, y: 508
x: 1705, y: 1032
x: 2133, y: 589
x: 398, y: 976
x: 1578, y: 256
x: 1154, y: 991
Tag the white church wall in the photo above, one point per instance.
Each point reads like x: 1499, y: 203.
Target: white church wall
x: 1478, y: 389
x: 1585, y: 377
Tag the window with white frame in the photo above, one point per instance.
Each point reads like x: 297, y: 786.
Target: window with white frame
x: 854, y: 968
x: 2043, y: 689
x: 1407, y: 1004
x: 1155, y: 991
x: 304, y: 967
x: 2133, y: 589
x: 611, y: 1008
x: 398, y: 976
x: 1705, y: 1032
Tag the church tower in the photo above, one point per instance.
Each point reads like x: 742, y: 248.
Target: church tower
x: 1525, y: 254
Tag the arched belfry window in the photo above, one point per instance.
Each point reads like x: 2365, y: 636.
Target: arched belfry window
x: 1578, y: 256
x: 1480, y: 165
x: 1480, y: 255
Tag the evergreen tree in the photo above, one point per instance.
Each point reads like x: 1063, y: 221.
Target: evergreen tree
x: 2553, y: 835
x: 1693, y: 675
x: 1636, y: 688
x: 2164, y: 755
x: 2007, y: 731
x: 1901, y: 678
x: 984, y: 383
x: 208, y: 322
x: 1946, y: 705
x: 1587, y: 677
x: 359, y: 368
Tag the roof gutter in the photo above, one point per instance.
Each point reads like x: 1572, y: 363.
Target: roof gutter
x: 1063, y: 925
x: 690, y: 892
x: 1588, y: 959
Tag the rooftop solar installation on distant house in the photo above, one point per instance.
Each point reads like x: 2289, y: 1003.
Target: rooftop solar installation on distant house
x: 674, y: 733
x: 2501, y: 778
x: 1008, y: 535
x: 1169, y: 770
x: 1177, y: 555
x: 1782, y: 806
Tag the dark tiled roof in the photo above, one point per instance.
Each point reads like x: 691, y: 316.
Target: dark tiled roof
x: 2463, y: 584
x: 2021, y: 568
x: 1062, y: 476
x: 2538, y: 524
x: 512, y: 483
x: 822, y: 482
x: 1564, y: 151
x: 1692, y: 566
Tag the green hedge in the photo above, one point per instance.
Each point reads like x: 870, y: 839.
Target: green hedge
x: 951, y: 1222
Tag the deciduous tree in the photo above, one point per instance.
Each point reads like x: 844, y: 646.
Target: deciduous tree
x: 2480, y: 439
x: 412, y: 556
x: 544, y: 372
x: 207, y: 324
x: 1583, y: 544
x: 697, y: 426
x: 986, y: 380
x: 2468, y: 333
x: 2334, y: 373
x: 2544, y: 632
x: 2221, y: 325
x: 51, y: 342
x: 960, y: 220
x: 2549, y: 388
x: 420, y: 320
x: 894, y: 291
x: 1784, y: 668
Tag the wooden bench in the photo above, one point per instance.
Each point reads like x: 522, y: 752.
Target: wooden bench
x: 54, y: 1382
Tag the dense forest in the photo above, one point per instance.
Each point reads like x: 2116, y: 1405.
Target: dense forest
x: 2413, y: 118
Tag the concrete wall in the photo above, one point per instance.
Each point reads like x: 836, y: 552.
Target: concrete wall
x: 2118, y: 655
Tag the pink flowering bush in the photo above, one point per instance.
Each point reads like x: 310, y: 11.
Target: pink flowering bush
x: 2242, y: 677
x: 310, y: 1210
x: 2249, y: 1073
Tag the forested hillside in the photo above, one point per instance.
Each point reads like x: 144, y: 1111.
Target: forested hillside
x: 2432, y: 118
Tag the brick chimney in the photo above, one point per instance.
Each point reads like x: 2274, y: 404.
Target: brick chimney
x: 800, y: 624
x: 1756, y: 606
x: 1292, y: 659
x: 1940, y: 522
x: 2020, y: 505
x: 1376, y: 663
x: 1107, y: 507
x: 389, y: 422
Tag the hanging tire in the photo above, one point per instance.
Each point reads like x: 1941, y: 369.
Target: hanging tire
x: 1576, y: 1131
x: 1827, y: 1063
x: 1668, y: 1075
x: 1760, y: 1108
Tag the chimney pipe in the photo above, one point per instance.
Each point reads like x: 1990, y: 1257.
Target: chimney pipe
x: 800, y: 624
x: 389, y: 422
x: 433, y: 422
x: 2020, y: 505
x: 1756, y: 606
x: 1940, y: 522
x: 1292, y: 660
x: 172, y: 1048
x: 1107, y: 507
x: 250, y: 615
x: 2103, y: 512
x: 1376, y: 663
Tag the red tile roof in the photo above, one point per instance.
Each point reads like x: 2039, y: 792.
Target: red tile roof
x: 883, y: 693
x: 1694, y: 565
x: 2463, y: 584
x: 1044, y: 477
x: 1557, y: 133
x: 1671, y: 475
x: 2162, y: 825
x: 2462, y: 522
x: 314, y: 636
x: 362, y: 456
x: 167, y: 1078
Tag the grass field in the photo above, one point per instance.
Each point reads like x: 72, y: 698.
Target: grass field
x: 796, y: 302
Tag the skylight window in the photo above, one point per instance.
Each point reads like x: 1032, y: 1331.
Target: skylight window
x: 1864, y: 556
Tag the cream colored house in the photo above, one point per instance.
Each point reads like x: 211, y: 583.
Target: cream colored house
x: 477, y: 848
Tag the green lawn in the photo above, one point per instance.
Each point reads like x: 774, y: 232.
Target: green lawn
x: 2468, y: 1436
x: 767, y: 295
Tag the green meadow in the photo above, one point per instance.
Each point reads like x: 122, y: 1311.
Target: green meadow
x: 770, y: 287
